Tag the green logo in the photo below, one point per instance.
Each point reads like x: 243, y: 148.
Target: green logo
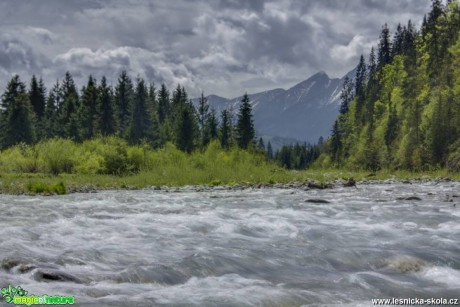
x: 19, y: 296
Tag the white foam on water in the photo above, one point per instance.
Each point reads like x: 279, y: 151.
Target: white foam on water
x: 447, y: 276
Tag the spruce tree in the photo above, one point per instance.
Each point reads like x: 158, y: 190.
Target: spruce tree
x: 203, y: 113
x: 210, y: 128
x: 37, y: 97
x: 19, y: 124
x: 50, y: 116
x: 245, y: 132
x: 397, y: 44
x: 124, y: 94
x: 88, y: 111
x: 13, y: 89
x: 143, y: 125
x: 186, y: 127
x: 346, y: 95
x: 360, y: 86
x: 68, y: 117
x: 336, y: 142
x: 106, y: 122
x: 163, y: 104
x: 384, y: 50
x: 225, y: 129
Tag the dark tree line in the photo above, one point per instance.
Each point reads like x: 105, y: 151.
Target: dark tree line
x: 133, y: 110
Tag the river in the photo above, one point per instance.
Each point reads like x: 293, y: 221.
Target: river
x: 261, y: 247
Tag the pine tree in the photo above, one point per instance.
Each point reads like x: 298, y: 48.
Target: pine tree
x: 225, y: 129
x: 106, y: 122
x: 12, y: 98
x: 346, y: 95
x: 50, y: 127
x: 384, y: 50
x: 203, y: 113
x: 186, y: 127
x: 163, y: 104
x: 124, y: 94
x: 143, y: 126
x: 19, y: 126
x: 360, y: 86
x: 88, y: 111
x: 210, y: 128
x: 37, y: 97
x: 245, y: 132
x: 68, y: 117
x: 13, y: 89
x: 336, y: 142
x: 397, y: 44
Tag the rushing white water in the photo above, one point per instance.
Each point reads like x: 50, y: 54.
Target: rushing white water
x: 265, y: 247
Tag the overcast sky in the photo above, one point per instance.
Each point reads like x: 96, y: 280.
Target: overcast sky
x: 223, y: 47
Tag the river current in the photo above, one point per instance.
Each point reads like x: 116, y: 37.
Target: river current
x: 261, y: 247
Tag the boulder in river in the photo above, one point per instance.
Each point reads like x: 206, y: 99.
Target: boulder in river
x: 55, y: 275
x: 406, y: 264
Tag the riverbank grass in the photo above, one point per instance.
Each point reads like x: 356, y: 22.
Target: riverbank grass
x: 60, y: 166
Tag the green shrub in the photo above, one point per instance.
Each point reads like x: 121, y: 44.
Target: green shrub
x: 40, y: 187
x: 60, y: 188
x: 57, y: 155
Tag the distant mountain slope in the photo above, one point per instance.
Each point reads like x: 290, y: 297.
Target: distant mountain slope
x: 304, y: 112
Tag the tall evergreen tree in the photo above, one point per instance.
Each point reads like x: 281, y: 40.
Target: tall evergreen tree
x: 68, y: 117
x: 143, y: 125
x: 14, y: 87
x: 210, y: 128
x: 203, y: 113
x: 346, y: 95
x: 124, y: 95
x: 37, y: 97
x: 19, y: 126
x: 106, y: 122
x: 50, y: 125
x: 245, y: 132
x: 186, y: 127
x: 384, y: 50
x: 397, y: 44
x: 163, y: 104
x: 225, y: 129
x: 360, y: 86
x: 88, y: 111
x: 336, y: 142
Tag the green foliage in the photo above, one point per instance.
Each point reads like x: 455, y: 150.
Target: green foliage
x: 57, y: 156
x: 406, y: 111
x: 42, y: 188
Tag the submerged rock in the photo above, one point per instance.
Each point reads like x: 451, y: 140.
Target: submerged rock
x: 409, y: 198
x: 55, y: 275
x: 317, y: 201
x: 413, y: 198
x: 406, y: 264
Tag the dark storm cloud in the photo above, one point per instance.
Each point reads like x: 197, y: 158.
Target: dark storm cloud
x: 223, y: 47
